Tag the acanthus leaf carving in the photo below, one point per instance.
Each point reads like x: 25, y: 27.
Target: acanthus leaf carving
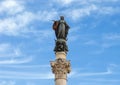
x: 60, y: 66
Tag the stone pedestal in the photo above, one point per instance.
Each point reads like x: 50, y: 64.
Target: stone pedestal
x: 60, y: 67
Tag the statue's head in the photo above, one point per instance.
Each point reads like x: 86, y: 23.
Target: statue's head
x: 62, y: 17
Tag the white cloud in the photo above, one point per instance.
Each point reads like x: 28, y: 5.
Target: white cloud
x: 3, y: 47
x: 83, y: 8
x: 7, y: 50
x: 114, y: 68
x: 18, y: 25
x: 112, y: 36
x: 83, y: 2
x: 111, y: 69
x: 64, y: 2
x: 110, y: 40
x: 15, y: 61
x: 25, y: 66
x: 96, y: 74
x: 104, y: 80
x: 87, y: 2
x: 41, y: 35
x: 3, y: 82
x: 91, y: 42
x: 12, y: 55
x: 104, y: 1
x: 30, y: 83
x: 18, y: 19
x: 85, y: 74
x: 25, y: 75
x: 113, y: 65
x: 108, y: 10
x: 11, y: 7
x: 99, y: 81
x: 46, y: 15
x: 78, y: 13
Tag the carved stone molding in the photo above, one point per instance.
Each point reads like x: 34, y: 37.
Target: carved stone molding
x: 60, y: 67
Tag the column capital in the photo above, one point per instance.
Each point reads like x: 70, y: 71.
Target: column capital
x: 60, y: 67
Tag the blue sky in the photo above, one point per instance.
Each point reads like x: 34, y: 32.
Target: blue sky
x: 27, y: 41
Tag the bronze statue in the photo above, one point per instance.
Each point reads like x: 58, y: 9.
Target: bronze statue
x: 61, y: 28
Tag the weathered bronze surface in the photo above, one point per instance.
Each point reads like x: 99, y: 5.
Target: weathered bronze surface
x: 61, y: 29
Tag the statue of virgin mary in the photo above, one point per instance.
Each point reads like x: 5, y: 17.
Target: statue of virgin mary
x: 61, y: 28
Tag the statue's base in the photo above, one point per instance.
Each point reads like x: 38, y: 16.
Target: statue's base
x: 60, y: 46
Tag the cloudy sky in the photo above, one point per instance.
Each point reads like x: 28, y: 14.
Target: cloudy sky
x: 27, y: 41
